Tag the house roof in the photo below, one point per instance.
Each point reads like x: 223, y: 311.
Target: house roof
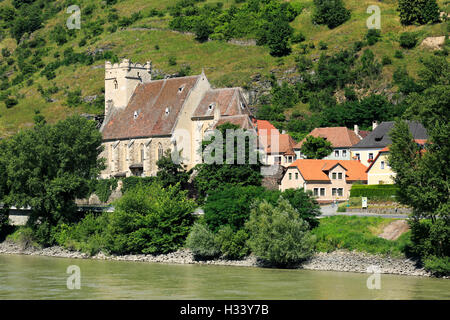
x: 229, y: 102
x: 265, y: 127
x: 340, y: 137
x: 379, y: 138
x: 243, y: 121
x: 277, y: 144
x: 152, y: 110
x: 317, y: 170
x: 363, y: 133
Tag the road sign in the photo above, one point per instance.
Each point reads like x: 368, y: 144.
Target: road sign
x: 364, y: 202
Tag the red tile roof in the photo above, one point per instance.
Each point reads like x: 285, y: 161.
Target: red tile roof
x: 317, y: 170
x: 228, y: 100
x: 145, y: 114
x: 267, y: 132
x: 340, y: 137
x: 265, y: 127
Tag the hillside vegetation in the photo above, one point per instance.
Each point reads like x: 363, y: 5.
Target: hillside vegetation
x: 46, y: 68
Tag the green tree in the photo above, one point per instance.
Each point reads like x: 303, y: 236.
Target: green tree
x: 332, y: 13
x: 316, y: 147
x: 278, y: 235
x: 202, y: 242
x: 220, y: 174
x: 170, y: 173
x: 49, y: 166
x: 418, y: 11
x: 305, y: 204
x: 150, y: 219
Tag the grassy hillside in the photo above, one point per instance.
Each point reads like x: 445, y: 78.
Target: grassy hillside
x: 149, y: 38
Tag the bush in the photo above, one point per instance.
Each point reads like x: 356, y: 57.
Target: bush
x: 418, y: 11
x: 386, y: 61
x: 331, y: 13
x: 430, y: 239
x: 398, y: 54
x: 298, y: 37
x: 374, y: 192
x: 10, y: 102
x: 172, y: 61
x: 202, y: 242
x: 278, y: 235
x: 323, y: 45
x: 24, y: 237
x: 408, y: 40
x: 104, y: 188
x: 132, y: 182
x: 150, y: 219
x: 439, y: 266
x: 233, y: 244
x: 373, y: 36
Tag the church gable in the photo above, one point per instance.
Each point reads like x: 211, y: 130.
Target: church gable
x: 228, y: 101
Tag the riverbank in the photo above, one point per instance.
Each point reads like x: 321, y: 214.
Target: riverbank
x: 341, y: 260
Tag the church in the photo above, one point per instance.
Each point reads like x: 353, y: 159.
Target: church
x: 145, y: 117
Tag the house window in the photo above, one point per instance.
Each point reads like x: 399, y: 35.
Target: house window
x: 289, y: 159
x: 333, y: 192
x: 116, y: 85
x: 334, y: 175
x: 277, y: 160
x: 322, y: 192
x: 370, y: 156
x: 296, y: 176
x: 336, y: 153
x: 340, y: 192
x: 290, y: 176
x: 382, y: 165
x: 344, y: 153
x: 340, y: 175
x: 316, y: 192
x: 358, y: 156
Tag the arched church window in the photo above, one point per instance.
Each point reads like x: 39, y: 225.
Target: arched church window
x: 142, y: 153
x: 160, y: 151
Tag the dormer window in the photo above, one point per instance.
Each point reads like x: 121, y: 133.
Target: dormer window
x: 167, y: 111
x: 180, y: 89
x: 135, y: 115
x: 242, y: 105
x: 211, y: 106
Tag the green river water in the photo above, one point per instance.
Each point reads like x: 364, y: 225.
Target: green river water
x: 34, y: 277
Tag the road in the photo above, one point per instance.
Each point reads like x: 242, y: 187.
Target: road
x: 329, y: 211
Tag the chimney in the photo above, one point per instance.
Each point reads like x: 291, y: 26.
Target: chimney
x: 374, y: 125
x: 356, y: 129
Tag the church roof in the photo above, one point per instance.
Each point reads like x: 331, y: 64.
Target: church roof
x: 152, y: 111
x: 228, y: 101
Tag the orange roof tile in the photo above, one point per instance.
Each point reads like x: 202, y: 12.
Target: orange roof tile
x: 340, y: 137
x: 317, y: 170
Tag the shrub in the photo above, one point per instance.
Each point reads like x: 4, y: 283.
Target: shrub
x: 10, y: 102
x: 278, y: 235
x: 150, y: 219
x: 373, y: 36
x: 418, y: 11
x: 232, y: 244
x: 398, y: 54
x: 24, y: 237
x: 172, y: 61
x: 305, y: 204
x: 386, y: 61
x: 323, y: 45
x: 408, y: 40
x: 331, y: 13
x: 131, y: 182
x: 298, y: 37
x: 104, y: 188
x: 202, y: 242
x: 439, y: 266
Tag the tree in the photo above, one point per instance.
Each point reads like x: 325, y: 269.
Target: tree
x: 278, y: 34
x: 150, y: 219
x: 332, y: 13
x: 49, y: 166
x: 220, y: 174
x: 170, y: 173
x: 305, y: 204
x: 231, y: 206
x: 418, y: 11
x: 316, y: 147
x: 278, y: 235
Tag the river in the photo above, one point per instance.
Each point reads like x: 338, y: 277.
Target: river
x: 37, y: 277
